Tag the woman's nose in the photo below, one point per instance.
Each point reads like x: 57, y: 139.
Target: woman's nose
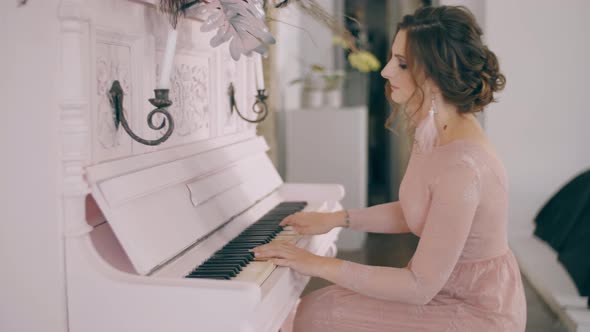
x: 385, y: 71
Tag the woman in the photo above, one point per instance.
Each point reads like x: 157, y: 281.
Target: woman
x: 463, y: 276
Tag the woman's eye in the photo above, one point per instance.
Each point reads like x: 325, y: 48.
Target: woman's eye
x: 403, y: 66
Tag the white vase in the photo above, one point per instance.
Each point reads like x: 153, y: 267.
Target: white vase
x: 333, y: 98
x: 312, y: 98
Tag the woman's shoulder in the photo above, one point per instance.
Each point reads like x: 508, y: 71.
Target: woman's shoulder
x: 479, y: 156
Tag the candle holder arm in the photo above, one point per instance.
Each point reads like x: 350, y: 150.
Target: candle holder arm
x: 259, y: 106
x: 161, y: 102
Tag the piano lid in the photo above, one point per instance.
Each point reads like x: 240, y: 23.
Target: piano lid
x: 159, y: 207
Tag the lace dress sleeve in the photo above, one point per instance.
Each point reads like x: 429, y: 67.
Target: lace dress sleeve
x: 382, y: 218
x: 454, y: 198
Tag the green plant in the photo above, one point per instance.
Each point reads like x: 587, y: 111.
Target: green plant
x: 318, y: 77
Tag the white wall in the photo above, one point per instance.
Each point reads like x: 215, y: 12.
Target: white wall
x: 301, y: 42
x: 540, y: 125
x: 287, y: 62
x: 32, y: 295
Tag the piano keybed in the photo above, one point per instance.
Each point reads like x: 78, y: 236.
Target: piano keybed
x: 235, y: 261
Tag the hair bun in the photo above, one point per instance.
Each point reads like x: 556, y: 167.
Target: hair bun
x: 491, y: 80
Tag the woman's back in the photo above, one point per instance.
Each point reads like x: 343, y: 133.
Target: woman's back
x: 487, y: 235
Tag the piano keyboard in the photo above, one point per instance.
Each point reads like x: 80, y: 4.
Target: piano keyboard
x: 235, y: 261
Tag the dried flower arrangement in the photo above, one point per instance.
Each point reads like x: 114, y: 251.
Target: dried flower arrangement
x: 242, y: 23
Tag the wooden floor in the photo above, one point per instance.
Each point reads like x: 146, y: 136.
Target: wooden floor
x: 396, y: 250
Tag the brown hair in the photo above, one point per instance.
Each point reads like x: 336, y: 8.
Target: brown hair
x: 444, y: 44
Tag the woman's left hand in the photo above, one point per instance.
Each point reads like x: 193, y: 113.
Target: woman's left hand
x: 285, y: 253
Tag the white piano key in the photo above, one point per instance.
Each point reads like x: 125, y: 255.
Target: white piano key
x: 255, y: 272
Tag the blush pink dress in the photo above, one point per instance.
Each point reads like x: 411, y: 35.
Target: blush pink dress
x: 462, y: 277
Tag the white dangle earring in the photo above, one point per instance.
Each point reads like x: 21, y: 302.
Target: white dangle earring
x: 426, y: 133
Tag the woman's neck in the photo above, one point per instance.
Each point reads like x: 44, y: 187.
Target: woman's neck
x: 453, y: 125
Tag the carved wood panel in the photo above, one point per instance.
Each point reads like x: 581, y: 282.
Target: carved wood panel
x: 192, y: 96
x: 130, y: 49
x: 112, y: 61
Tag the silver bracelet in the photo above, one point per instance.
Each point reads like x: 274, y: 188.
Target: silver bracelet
x: 347, y: 221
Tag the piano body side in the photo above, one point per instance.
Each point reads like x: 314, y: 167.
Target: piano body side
x: 102, y: 264
x: 105, y: 292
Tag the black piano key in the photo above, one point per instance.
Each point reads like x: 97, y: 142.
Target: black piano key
x: 292, y: 203
x: 228, y: 272
x: 220, y: 265
x: 263, y: 228
x: 241, y: 261
x: 270, y: 220
x: 233, y: 250
x: 275, y: 215
x: 240, y: 255
x: 266, y: 235
x: 260, y: 233
x: 218, y: 268
x: 230, y: 259
x: 293, y: 208
x: 267, y: 222
x: 208, y: 273
x: 244, y: 245
x: 255, y: 244
x: 284, y: 212
x: 234, y: 255
x: 220, y: 276
x: 234, y: 267
x: 251, y: 238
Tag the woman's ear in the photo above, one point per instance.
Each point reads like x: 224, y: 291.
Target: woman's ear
x: 432, y: 87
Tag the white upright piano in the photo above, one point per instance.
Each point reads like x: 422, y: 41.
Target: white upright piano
x: 169, y: 250
x: 133, y: 238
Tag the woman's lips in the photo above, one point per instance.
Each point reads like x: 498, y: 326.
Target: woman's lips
x: 393, y: 87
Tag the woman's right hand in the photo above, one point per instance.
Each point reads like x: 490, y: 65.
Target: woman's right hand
x: 314, y: 222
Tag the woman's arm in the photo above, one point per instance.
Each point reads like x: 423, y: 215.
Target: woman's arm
x: 382, y: 218
x: 454, y: 201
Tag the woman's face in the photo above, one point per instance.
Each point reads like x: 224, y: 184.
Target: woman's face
x: 397, y: 73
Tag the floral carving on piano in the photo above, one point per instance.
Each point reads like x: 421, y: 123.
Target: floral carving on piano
x: 112, y: 63
x: 190, y: 97
x: 189, y: 92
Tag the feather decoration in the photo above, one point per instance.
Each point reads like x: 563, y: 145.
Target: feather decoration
x: 240, y: 22
x: 426, y: 132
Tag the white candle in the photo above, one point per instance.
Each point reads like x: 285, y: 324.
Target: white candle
x: 258, y: 71
x: 166, y: 65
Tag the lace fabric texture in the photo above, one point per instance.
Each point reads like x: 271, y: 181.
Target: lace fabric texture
x: 462, y: 277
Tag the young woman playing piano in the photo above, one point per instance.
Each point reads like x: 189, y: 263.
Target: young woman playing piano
x: 463, y: 276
